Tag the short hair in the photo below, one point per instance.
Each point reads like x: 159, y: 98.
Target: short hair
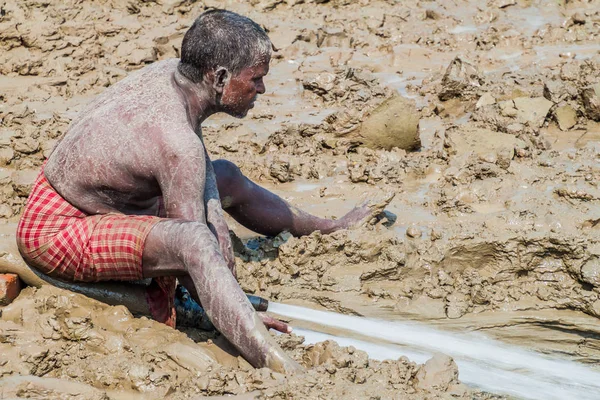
x: 220, y: 38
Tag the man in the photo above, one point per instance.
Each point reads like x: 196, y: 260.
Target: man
x: 131, y: 193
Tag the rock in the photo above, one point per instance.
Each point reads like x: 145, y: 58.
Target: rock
x: 413, y: 232
x: 591, y: 101
x: 532, y: 110
x: 438, y: 373
x: 486, y: 100
x: 505, y: 3
x: 566, y: 117
x: 394, y: 123
x: 590, y: 271
x: 460, y: 79
x: 578, y: 18
x: 10, y: 287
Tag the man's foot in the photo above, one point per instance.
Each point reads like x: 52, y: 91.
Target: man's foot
x: 369, y: 212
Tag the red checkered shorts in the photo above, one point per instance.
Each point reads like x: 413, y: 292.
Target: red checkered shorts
x: 63, y: 242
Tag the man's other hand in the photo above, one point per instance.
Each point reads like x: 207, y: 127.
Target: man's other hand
x: 272, y: 323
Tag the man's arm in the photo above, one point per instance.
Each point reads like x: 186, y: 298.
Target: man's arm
x: 181, y: 177
x: 214, y: 214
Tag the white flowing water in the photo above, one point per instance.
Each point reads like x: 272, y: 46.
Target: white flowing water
x: 482, y: 362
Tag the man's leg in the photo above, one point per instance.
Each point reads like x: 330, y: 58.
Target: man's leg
x: 268, y: 214
x: 181, y: 248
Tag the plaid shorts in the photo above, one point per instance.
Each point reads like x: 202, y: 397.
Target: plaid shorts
x: 65, y: 243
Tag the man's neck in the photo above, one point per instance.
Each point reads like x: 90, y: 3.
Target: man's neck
x: 198, y: 99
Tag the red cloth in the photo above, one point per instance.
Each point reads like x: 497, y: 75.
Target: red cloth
x: 64, y: 242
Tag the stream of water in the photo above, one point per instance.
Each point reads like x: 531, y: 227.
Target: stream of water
x: 482, y: 362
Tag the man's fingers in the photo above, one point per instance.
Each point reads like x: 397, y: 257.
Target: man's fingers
x: 272, y: 323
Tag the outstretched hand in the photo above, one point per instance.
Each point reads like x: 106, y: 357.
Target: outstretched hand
x: 370, y: 212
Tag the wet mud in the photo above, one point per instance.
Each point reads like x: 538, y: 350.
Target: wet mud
x: 495, y: 171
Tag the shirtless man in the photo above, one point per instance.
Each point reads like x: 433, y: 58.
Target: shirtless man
x: 131, y: 193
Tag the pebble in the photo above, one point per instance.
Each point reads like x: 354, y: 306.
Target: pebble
x: 413, y: 232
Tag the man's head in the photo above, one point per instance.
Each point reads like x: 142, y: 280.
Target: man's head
x: 231, y: 52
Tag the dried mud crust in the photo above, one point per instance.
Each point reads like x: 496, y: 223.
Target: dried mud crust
x: 497, y: 214
x: 53, y: 334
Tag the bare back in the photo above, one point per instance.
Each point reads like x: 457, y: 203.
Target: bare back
x: 124, y: 143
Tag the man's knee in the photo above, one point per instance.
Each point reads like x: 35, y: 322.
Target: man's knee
x: 229, y: 177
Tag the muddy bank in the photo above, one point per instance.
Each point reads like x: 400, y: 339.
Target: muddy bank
x: 497, y: 212
x: 55, y: 334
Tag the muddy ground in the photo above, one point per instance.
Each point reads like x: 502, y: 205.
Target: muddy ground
x: 498, y: 210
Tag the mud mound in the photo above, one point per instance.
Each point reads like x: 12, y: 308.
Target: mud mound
x: 51, y: 336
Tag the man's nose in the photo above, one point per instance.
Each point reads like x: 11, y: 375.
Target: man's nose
x: 260, y: 87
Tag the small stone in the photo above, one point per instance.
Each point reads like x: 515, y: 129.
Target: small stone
x: 10, y: 287
x: 505, y: 3
x: 413, y: 232
x: 578, y: 18
x: 486, y: 100
x: 590, y: 271
x: 566, y: 117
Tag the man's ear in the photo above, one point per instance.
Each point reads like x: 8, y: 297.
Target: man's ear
x: 221, y: 78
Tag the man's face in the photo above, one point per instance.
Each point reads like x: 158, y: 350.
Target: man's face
x: 241, y: 90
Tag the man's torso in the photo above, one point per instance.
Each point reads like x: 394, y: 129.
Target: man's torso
x: 109, y: 159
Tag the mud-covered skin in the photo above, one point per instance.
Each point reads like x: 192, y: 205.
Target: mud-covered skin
x: 141, y: 140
